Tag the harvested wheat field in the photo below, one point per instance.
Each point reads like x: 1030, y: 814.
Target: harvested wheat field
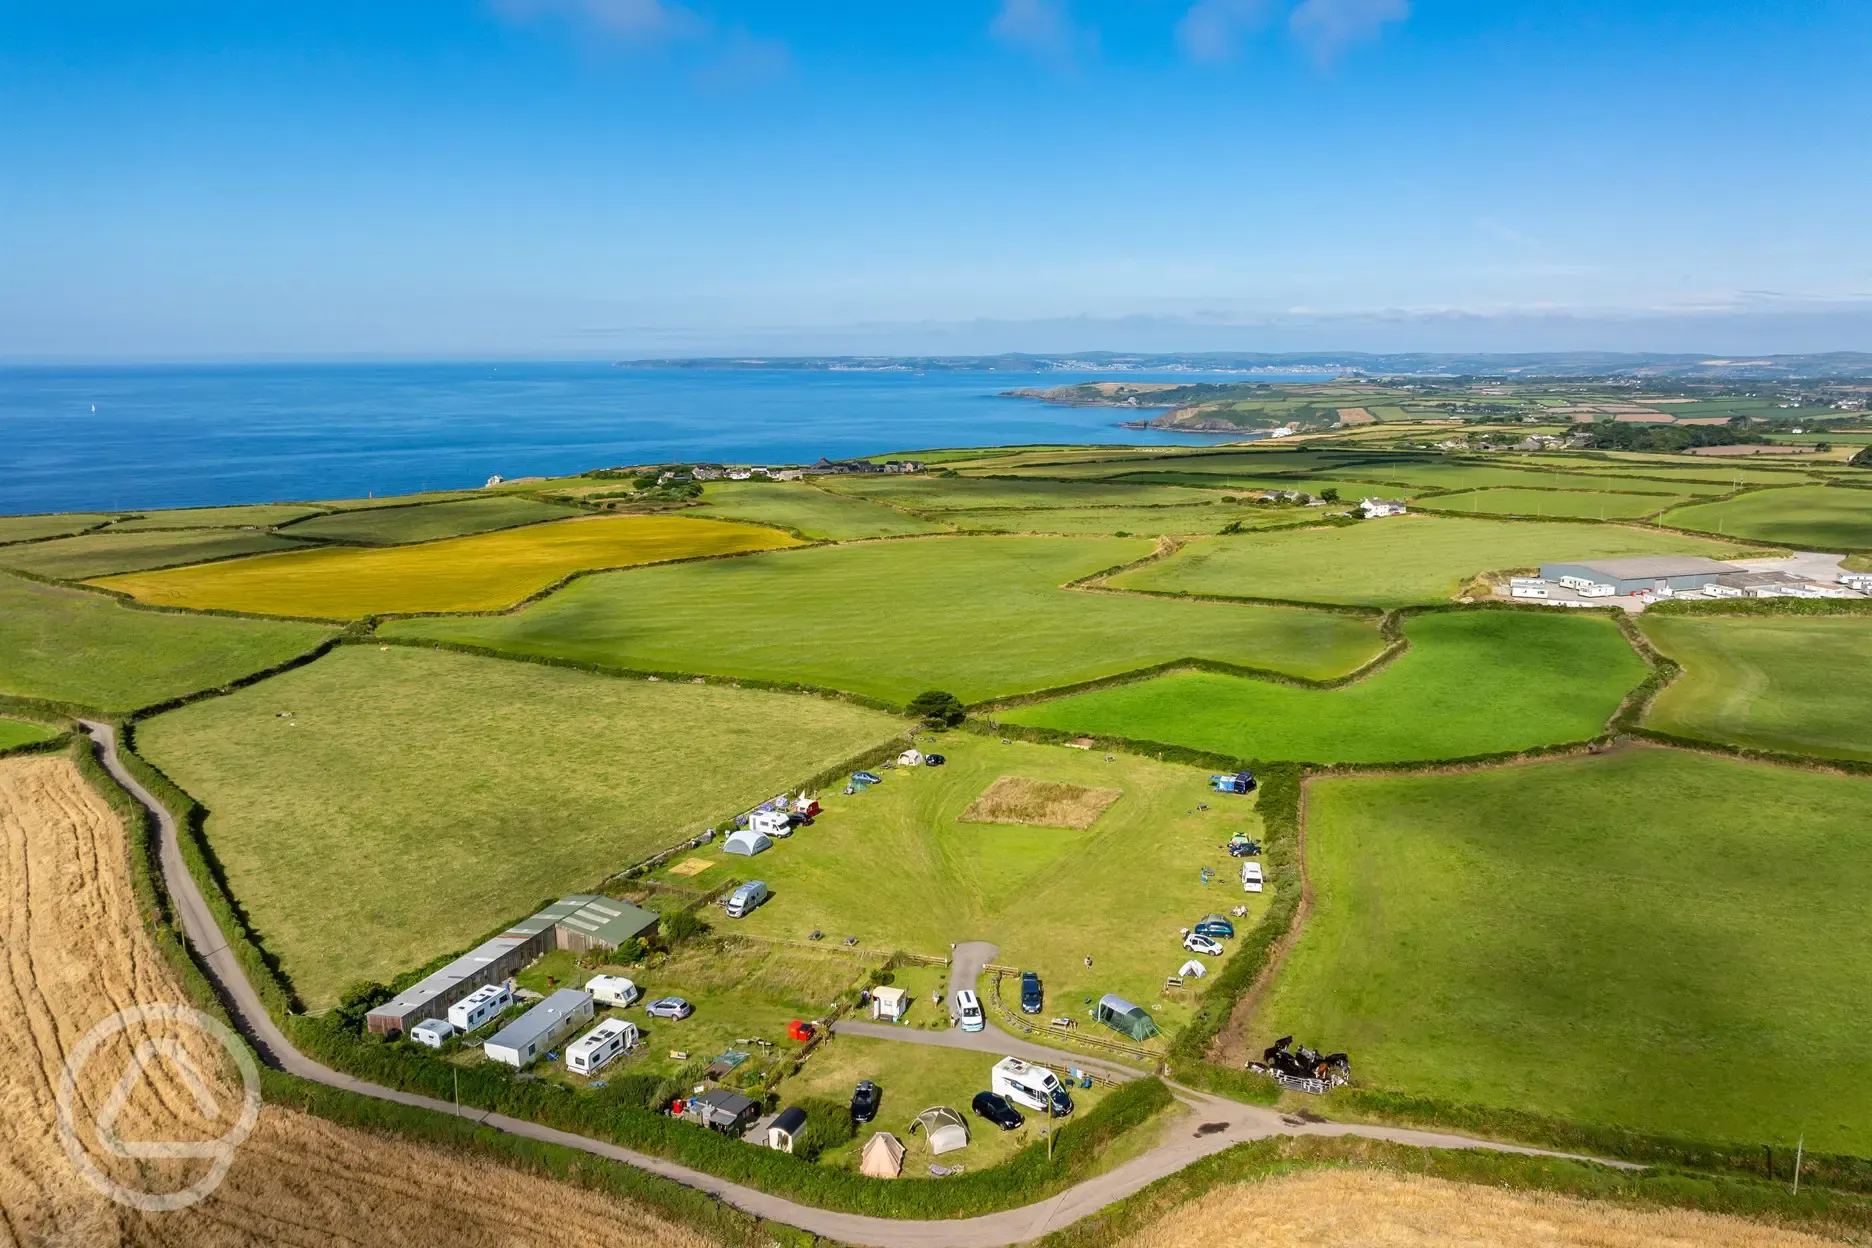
x: 1044, y: 803
x: 1379, y: 1209
x: 73, y: 952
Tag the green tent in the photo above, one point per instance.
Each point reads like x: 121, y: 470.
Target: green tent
x: 1123, y: 1017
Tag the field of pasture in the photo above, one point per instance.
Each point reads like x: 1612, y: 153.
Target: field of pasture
x: 32, y: 528
x: 383, y: 806
x: 251, y: 516
x: 1796, y: 684
x: 1472, y: 682
x: 1393, y: 562
x: 482, y: 572
x: 1660, y: 940
x: 17, y: 732
x: 426, y: 522
x: 1575, y: 503
x: 809, y: 511
x: 979, y: 617
x: 104, y: 554
x: 1828, y: 517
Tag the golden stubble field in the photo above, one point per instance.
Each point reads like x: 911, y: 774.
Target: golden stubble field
x: 72, y: 951
x: 1380, y: 1209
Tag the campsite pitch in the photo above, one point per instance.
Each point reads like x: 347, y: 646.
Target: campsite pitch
x: 1652, y: 939
x: 477, y: 573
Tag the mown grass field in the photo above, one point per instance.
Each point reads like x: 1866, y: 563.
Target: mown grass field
x: 413, y: 799
x: 938, y: 494
x: 258, y: 515
x: 1808, y: 515
x: 71, y: 645
x: 486, y: 571
x: 896, y: 867
x: 102, y: 554
x: 1653, y: 939
x: 1391, y: 562
x: 1204, y: 518
x: 979, y: 617
x: 18, y: 732
x: 1586, y: 505
x: 1472, y: 682
x: 809, y: 510
x: 1797, y: 684
x: 28, y: 528
x: 391, y: 526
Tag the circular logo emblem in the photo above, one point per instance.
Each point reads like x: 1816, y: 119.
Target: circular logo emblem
x: 219, y: 1152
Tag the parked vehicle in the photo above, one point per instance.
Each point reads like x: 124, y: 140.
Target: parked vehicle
x: 669, y: 1007
x: 969, y: 1011
x: 1036, y: 1087
x: 866, y: 777
x: 743, y: 901
x: 1196, y: 943
x: 1215, y: 925
x: 1251, y: 877
x: 996, y: 1110
x: 1242, y: 846
x: 1031, y: 999
x: 934, y: 760
x: 864, y: 1101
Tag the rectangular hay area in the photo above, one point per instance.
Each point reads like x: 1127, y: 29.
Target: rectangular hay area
x: 1045, y: 803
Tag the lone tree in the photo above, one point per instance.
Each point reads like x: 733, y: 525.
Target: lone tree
x: 938, y: 709
x: 1330, y: 494
x: 1863, y: 459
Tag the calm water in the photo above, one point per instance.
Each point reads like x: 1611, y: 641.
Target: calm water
x: 177, y: 437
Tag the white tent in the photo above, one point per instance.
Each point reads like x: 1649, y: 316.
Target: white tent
x: 1193, y: 967
x: 746, y: 841
x: 883, y: 1157
x: 946, y: 1129
x: 910, y: 758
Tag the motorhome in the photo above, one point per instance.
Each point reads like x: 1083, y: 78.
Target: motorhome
x: 1036, y: 1087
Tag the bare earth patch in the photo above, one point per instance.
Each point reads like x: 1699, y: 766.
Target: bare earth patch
x: 691, y: 866
x: 1355, y: 416
x: 1046, y: 803
x: 1379, y: 1209
x: 72, y: 952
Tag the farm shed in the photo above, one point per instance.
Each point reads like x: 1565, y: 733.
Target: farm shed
x: 722, y: 1110
x: 944, y: 1128
x: 889, y: 1004
x: 786, y: 1124
x: 1638, y: 575
x: 1124, y: 1018
x: 883, y: 1157
x: 747, y: 842
x: 520, y: 1042
x: 601, y: 923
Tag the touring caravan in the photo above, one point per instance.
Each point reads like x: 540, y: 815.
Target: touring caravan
x: 601, y: 1045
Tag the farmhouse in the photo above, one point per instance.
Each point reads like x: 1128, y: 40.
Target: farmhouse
x: 1374, y: 508
x: 524, y: 1039
x: 1643, y: 574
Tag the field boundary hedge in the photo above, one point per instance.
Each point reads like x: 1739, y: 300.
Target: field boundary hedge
x: 1742, y: 607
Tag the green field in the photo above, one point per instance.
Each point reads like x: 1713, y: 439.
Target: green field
x: 1119, y: 891
x: 414, y: 799
x: 72, y: 645
x: 17, y: 732
x: 102, y: 554
x: 940, y: 494
x: 808, y: 511
x: 392, y: 526
x: 28, y: 528
x: 1391, y: 562
x: 1137, y: 521
x: 1799, y: 684
x: 1651, y: 939
x: 1810, y: 515
x: 260, y: 515
x: 979, y: 617
x: 1472, y: 682
x: 1537, y: 503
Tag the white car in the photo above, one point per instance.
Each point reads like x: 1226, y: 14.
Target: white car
x: 1203, y: 944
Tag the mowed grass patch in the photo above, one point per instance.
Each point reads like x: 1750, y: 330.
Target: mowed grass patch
x: 414, y: 799
x: 979, y: 617
x: 482, y: 572
x: 391, y: 526
x: 935, y: 494
x: 31, y: 528
x: 1472, y: 682
x: 71, y: 645
x: 1205, y: 518
x: 1807, y: 515
x: 1392, y: 562
x: 257, y: 516
x: 1540, y: 503
x: 809, y: 510
x: 1797, y: 684
x: 102, y: 554
x: 17, y: 732
x: 1047, y: 803
x: 897, y: 867
x: 1652, y: 939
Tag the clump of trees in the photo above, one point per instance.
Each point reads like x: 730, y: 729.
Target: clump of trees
x: 938, y: 709
x: 1609, y: 435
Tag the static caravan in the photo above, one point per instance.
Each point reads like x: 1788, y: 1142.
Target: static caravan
x: 431, y: 1032
x: 1251, y: 877
x: 521, y: 1042
x: 474, y: 1010
x: 1527, y: 587
x: 613, y: 990
x: 600, y: 1046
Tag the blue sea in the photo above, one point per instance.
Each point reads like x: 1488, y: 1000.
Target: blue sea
x: 115, y: 438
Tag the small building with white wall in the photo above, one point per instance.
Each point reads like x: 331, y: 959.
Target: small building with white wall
x: 522, y: 1042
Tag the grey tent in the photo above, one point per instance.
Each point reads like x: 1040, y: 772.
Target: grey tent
x: 946, y: 1129
x: 1123, y: 1017
x: 746, y: 841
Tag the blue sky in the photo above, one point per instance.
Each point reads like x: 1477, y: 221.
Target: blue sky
x: 624, y: 177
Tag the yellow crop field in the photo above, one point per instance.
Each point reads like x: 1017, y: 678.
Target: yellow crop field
x: 482, y: 572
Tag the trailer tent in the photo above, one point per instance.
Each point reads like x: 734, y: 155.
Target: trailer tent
x: 748, y: 842
x: 1123, y: 1017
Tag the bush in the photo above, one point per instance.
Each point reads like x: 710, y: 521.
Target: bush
x: 938, y: 709
x: 1862, y: 458
x: 359, y: 1000
x: 680, y: 925
x: 1330, y: 494
x: 828, y: 1124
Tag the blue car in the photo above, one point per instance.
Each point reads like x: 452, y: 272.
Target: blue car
x: 1030, y: 993
x: 866, y: 777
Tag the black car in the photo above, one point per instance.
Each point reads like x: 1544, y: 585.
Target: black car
x: 996, y: 1110
x: 864, y: 1102
x: 934, y: 760
x: 1030, y: 993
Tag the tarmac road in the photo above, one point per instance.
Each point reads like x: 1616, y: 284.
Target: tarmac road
x: 1217, y: 1124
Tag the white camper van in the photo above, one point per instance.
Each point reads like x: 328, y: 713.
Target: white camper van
x: 968, y: 1011
x: 1251, y: 877
x: 1036, y: 1087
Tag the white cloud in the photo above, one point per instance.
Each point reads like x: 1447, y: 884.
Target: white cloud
x: 1043, y: 26
x: 636, y: 20
x: 1327, y: 26
x: 1212, y: 29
